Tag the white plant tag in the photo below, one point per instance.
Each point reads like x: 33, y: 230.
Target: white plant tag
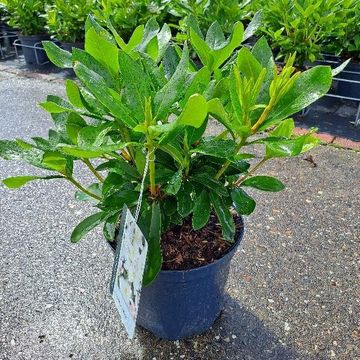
x: 128, y: 270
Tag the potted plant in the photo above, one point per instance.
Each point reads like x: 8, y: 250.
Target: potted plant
x: 66, y: 21
x: 304, y: 27
x: 137, y: 121
x: 28, y: 17
x: 126, y: 15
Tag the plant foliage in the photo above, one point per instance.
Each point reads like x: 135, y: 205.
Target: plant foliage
x: 66, y: 19
x: 26, y: 15
x: 142, y: 103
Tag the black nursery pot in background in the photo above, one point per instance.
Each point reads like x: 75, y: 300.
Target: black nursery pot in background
x: 34, y: 56
x: 69, y: 45
x: 183, y: 303
x: 351, y: 86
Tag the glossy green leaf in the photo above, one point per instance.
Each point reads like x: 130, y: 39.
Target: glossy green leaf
x: 215, y: 38
x: 194, y: 113
x: 89, y: 152
x: 73, y: 94
x: 55, y: 161
x: 247, y: 64
x: 96, y: 84
x: 202, y: 49
x: 264, y: 183
x: 254, y: 25
x: 174, y: 89
x: 121, y: 167
x: 208, y: 181
x: 243, y: 202
x: 284, y: 129
x: 100, y: 45
x: 74, y: 124
x: 93, y: 188
x: 234, y: 41
x: 201, y: 212
x: 174, y: 184
x: 15, y: 182
x: 225, y: 217
x: 309, y: 87
x: 87, y: 225
x: 57, y: 56
x: 154, y: 256
x: 184, y: 199
x: 221, y: 148
x: 276, y: 147
x: 135, y: 82
x: 91, y: 63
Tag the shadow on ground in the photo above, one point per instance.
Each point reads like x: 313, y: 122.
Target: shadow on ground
x: 237, y: 334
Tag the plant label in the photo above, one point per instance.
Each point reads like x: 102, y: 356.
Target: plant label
x: 128, y: 270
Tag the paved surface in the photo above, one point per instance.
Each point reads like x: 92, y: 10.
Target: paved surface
x: 294, y: 283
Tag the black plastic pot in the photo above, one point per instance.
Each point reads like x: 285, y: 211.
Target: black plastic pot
x: 179, y: 304
x: 34, y: 56
x: 68, y: 45
x: 351, y: 86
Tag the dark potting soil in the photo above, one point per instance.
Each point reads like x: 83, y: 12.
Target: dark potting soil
x: 184, y: 248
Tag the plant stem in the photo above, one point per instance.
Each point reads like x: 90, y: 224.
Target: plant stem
x: 250, y: 172
x: 151, y: 151
x: 93, y: 170
x: 81, y: 188
x: 227, y: 163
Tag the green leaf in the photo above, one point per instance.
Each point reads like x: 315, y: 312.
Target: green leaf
x: 207, y: 180
x: 202, y: 49
x: 215, y: 37
x: 248, y: 64
x: 121, y: 167
x: 15, y: 182
x: 100, y: 45
x: 225, y: 217
x: 86, y: 225
x: 201, y: 212
x: 264, y: 183
x: 53, y: 108
x: 253, y: 25
x: 73, y: 94
x: 309, y: 87
x: 154, y: 257
x: 216, y: 109
x: 184, y: 199
x: 74, y: 124
x: 96, y: 84
x: 194, y: 113
x: 57, y: 56
x: 216, y: 147
x: 174, y: 184
x: 93, y: 188
x: 135, y: 82
x: 91, y: 63
x: 55, y: 161
x: 89, y: 152
x: 276, y: 147
x: 174, y: 89
x: 244, y: 203
x: 234, y: 41
x: 284, y: 129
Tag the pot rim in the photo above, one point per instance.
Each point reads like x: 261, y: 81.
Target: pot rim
x: 230, y: 252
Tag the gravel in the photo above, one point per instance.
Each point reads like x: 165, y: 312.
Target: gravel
x: 293, y: 291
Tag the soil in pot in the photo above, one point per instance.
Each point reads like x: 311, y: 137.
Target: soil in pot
x: 30, y: 54
x: 184, y: 248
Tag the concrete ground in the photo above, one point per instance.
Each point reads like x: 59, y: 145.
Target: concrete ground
x: 293, y: 291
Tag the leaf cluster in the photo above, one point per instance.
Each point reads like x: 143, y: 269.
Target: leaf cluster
x: 66, y: 19
x: 307, y: 27
x: 26, y: 15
